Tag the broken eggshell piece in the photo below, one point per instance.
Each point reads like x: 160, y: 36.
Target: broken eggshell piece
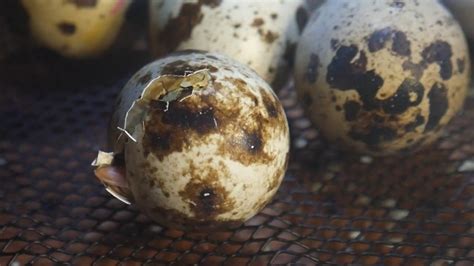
x: 205, y: 141
x: 112, y: 176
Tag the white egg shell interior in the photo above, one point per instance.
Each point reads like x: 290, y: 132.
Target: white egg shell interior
x: 380, y: 76
x: 224, y: 167
x: 257, y: 33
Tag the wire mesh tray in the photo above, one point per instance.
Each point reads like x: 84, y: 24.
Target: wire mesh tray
x: 332, y: 208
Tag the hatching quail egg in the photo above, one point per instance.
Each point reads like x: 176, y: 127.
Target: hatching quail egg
x: 203, y: 139
x: 382, y: 76
x: 261, y: 34
x: 76, y: 28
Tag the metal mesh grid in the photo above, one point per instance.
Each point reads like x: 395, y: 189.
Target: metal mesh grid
x: 332, y: 208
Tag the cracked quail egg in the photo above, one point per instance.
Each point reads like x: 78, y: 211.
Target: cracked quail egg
x: 198, y: 140
x: 261, y: 34
x: 382, y: 76
x: 76, y: 28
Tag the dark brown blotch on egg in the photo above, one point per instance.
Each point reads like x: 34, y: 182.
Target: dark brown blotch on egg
x: 440, y: 52
x: 401, y: 44
x: 351, y: 110
x: 301, y: 18
x: 439, y: 104
x: 67, y: 28
x: 206, y: 196
x: 270, y: 105
x: 179, y: 28
x: 378, y: 38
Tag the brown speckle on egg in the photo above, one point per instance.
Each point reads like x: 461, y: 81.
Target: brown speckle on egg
x: 257, y: 22
x: 398, y: 4
x: 270, y: 36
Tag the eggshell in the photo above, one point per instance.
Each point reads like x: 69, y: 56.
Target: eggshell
x: 76, y: 28
x: 261, y: 34
x: 382, y: 77
x: 205, y: 140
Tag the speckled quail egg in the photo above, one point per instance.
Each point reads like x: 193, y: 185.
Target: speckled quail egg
x: 261, y: 34
x: 462, y: 11
x: 198, y: 140
x: 76, y: 28
x: 382, y: 76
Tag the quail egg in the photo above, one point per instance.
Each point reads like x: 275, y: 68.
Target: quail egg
x: 76, y: 28
x: 382, y: 76
x: 198, y: 141
x: 261, y: 34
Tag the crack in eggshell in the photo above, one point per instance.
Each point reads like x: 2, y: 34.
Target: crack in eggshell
x: 164, y: 89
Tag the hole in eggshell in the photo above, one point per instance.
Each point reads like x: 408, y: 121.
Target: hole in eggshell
x: 159, y: 93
